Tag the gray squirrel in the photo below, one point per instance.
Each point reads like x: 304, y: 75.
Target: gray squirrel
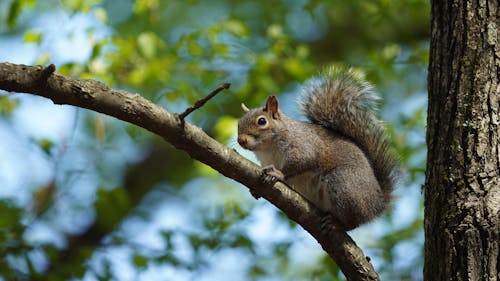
x: 340, y: 160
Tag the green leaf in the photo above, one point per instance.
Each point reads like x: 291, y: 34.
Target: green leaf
x: 33, y: 37
x: 391, y: 52
x: 46, y: 145
x: 194, y: 48
x: 101, y: 14
x: 140, y: 261
x: 237, y: 27
x: 43, y: 58
x: 147, y: 43
x: 295, y: 67
x: 15, y: 9
x: 225, y: 128
x: 14, y: 12
x: 145, y: 5
x: 111, y: 206
x: 80, y: 5
x: 43, y: 198
x: 10, y: 214
x: 275, y: 31
x: 204, y: 169
x: 256, y: 271
x: 7, y: 105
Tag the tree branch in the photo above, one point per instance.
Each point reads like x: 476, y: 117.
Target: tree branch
x: 202, y: 101
x: 134, y: 109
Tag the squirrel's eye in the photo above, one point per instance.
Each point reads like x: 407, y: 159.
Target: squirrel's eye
x: 262, y: 121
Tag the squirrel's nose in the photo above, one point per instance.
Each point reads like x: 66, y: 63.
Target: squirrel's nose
x: 242, y: 140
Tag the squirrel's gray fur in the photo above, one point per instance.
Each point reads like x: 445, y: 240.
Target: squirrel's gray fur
x: 342, y: 101
x: 340, y: 161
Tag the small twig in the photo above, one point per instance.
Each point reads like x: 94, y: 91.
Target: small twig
x: 191, y: 139
x: 202, y: 101
x: 46, y: 72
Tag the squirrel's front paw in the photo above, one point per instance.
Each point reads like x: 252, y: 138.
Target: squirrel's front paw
x: 271, y: 175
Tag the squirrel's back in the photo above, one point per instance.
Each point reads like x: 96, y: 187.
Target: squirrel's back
x: 344, y: 103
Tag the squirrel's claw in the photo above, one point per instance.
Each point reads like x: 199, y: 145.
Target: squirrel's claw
x: 254, y: 194
x: 271, y: 175
x: 328, y: 224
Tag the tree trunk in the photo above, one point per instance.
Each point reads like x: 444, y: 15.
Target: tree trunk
x: 462, y: 192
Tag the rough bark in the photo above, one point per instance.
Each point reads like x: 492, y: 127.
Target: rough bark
x: 462, y: 189
x: 135, y: 109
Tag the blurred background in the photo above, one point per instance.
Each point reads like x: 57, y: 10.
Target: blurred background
x: 84, y: 196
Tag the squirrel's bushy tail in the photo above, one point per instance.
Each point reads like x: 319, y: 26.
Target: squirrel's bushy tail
x: 342, y: 101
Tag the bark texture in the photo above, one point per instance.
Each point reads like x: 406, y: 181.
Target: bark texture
x: 462, y: 190
x: 135, y: 109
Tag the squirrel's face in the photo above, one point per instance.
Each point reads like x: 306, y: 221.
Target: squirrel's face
x: 255, y: 128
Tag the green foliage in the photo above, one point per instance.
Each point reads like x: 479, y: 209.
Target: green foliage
x: 33, y: 37
x: 224, y: 128
x: 43, y: 198
x: 111, y: 206
x: 174, y: 53
x: 11, y: 232
x: 7, y: 105
x: 46, y: 145
x: 10, y: 216
x: 14, y: 10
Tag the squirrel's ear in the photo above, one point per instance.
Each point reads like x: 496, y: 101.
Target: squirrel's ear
x: 244, y: 108
x: 272, y: 106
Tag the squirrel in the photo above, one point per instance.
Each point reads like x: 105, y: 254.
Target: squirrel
x: 340, y: 160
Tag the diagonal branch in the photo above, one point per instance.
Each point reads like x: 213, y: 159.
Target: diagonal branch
x: 134, y: 109
x: 202, y: 101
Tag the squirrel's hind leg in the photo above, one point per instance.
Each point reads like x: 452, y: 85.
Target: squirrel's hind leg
x: 329, y: 224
